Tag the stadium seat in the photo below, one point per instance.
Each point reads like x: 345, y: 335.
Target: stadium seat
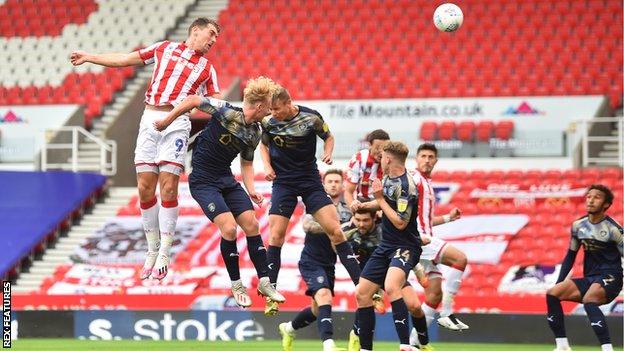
x: 56, y: 27
x: 494, y: 53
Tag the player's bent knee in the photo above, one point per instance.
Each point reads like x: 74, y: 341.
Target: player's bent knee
x: 276, y: 240
x: 228, y: 231
x: 433, y: 298
x: 146, y: 190
x: 462, y: 260
x: 169, y: 192
x: 393, y: 292
x: 336, y: 236
x: 323, y: 297
x: 364, y: 299
x: 251, y: 228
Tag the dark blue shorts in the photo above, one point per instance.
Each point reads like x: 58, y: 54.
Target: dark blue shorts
x: 612, y: 283
x: 284, y: 197
x: 385, y: 257
x: 224, y: 195
x: 317, y: 277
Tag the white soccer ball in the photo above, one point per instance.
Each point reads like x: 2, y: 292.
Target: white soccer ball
x: 448, y: 17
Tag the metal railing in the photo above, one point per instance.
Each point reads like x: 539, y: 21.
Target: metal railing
x: 107, y: 164
x: 587, y: 139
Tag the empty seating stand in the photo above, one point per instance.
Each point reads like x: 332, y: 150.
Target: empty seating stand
x: 378, y: 49
x: 38, y: 39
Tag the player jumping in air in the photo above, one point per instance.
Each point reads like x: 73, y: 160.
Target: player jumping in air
x: 399, y: 250
x: 180, y: 70
x: 232, y: 131
x: 438, y: 251
x: 288, y: 151
x: 601, y: 238
x: 317, y: 267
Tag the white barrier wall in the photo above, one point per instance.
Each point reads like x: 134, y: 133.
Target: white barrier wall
x: 21, y: 129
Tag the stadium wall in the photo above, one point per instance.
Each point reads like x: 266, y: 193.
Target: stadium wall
x: 244, y: 325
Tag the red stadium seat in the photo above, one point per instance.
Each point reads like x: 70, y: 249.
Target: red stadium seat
x: 428, y: 131
x: 465, y: 131
x: 446, y: 131
x: 484, y: 130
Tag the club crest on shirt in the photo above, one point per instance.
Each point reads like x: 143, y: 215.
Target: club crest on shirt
x: 603, y: 234
x: 402, y: 205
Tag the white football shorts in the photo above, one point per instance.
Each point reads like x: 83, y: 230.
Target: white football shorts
x: 161, y: 151
x: 431, y: 255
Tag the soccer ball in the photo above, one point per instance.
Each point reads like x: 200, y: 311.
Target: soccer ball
x: 448, y: 17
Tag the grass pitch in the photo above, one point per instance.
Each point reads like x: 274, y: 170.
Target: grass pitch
x: 299, y: 345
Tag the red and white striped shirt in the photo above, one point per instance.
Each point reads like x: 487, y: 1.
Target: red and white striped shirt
x: 179, y: 72
x: 363, y: 169
x: 426, y: 201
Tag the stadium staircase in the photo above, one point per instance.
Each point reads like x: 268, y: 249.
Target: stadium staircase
x: 31, y: 281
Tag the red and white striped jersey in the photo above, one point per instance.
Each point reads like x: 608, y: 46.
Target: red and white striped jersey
x: 363, y: 169
x: 426, y: 201
x: 178, y: 73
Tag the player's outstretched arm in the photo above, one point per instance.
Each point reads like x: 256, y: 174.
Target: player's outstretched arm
x: 455, y: 214
x: 191, y: 102
x: 247, y: 172
x: 79, y: 57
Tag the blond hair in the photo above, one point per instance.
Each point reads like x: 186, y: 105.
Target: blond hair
x: 397, y: 149
x: 259, y: 90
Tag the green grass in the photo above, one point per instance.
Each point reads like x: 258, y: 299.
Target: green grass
x: 299, y: 345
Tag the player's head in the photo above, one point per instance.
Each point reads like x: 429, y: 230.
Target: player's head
x: 281, y: 104
x: 364, y: 220
x: 393, y: 154
x: 426, y: 158
x: 598, y: 199
x: 332, y: 181
x: 376, y: 139
x: 203, y: 33
x: 257, y: 97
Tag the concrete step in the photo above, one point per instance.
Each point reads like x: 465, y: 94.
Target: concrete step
x: 84, y: 228
x: 611, y: 147
x: 82, y: 154
x: 88, y: 146
x: 45, y: 264
x: 29, y: 285
x: 107, y: 207
x: 77, y: 236
x: 82, y: 167
x: 38, y: 269
x: 69, y: 245
x: 94, y: 216
x: 137, y: 83
x: 608, y: 154
x: 108, y: 119
x: 32, y: 276
x: 87, y: 160
x: 117, y: 201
